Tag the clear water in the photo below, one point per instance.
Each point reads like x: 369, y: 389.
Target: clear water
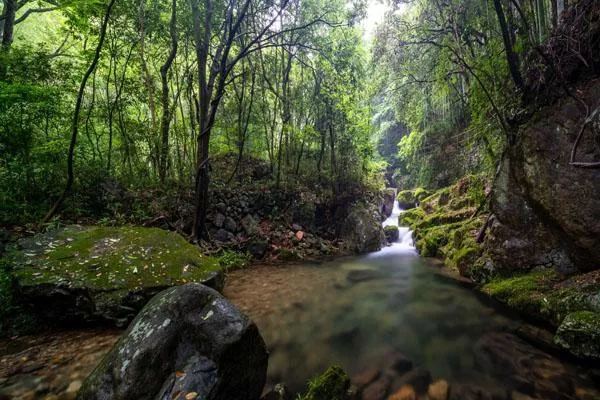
x: 356, y: 311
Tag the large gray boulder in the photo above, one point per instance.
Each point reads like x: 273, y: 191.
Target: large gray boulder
x: 361, y: 230
x: 188, y: 342
x: 547, y: 212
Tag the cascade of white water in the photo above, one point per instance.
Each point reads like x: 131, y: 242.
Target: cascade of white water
x: 405, y: 234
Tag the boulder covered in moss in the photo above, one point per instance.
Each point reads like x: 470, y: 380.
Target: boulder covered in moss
x: 189, y: 342
x: 104, y: 274
x: 333, y: 384
x: 392, y: 234
x: 406, y: 199
x: 579, y: 333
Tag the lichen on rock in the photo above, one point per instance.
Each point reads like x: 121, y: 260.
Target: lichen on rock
x: 84, y: 274
x: 579, y: 333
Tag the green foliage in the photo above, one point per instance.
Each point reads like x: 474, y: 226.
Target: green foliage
x: 333, y: 384
x: 231, y: 259
x: 315, y: 131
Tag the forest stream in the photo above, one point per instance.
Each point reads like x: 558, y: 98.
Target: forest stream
x: 357, y: 312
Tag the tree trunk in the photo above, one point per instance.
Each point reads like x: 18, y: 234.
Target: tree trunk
x: 202, y: 168
x: 149, y: 84
x: 10, y: 11
x: 163, y: 162
x: 75, y: 122
x: 511, y: 57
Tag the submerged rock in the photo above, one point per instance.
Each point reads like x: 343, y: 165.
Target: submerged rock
x: 363, y: 275
x: 99, y: 274
x: 523, y: 368
x: 579, y: 333
x: 190, y: 341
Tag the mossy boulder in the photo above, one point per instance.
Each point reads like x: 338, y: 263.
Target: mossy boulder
x: 411, y: 217
x: 285, y: 254
x: 579, y: 333
x: 392, y: 234
x: 421, y: 194
x: 524, y: 293
x: 93, y: 274
x: 406, y: 199
x: 333, y: 384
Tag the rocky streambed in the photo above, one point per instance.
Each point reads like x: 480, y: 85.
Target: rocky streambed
x: 388, y: 319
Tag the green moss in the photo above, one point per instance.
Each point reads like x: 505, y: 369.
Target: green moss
x: 285, y: 254
x: 411, y: 217
x: 579, y: 333
x: 442, y: 217
x: 430, y: 241
x: 526, y: 293
x: 331, y: 385
x: 421, y: 194
x: 464, y: 258
x: 565, y: 301
x: 230, y: 260
x: 406, y: 198
x: 110, y: 258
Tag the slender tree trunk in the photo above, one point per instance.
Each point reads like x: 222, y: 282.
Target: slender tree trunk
x: 163, y: 162
x: 286, y: 111
x: 149, y: 82
x: 75, y: 122
x: 511, y: 57
x: 202, y: 168
x: 243, y: 123
x: 10, y: 11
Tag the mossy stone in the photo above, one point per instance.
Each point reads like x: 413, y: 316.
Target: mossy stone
x: 105, y: 272
x: 333, y: 384
x: 285, y: 254
x: 406, y: 199
x: 579, y: 333
x: 392, y: 234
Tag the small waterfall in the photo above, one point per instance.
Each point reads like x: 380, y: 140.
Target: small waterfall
x: 405, y: 239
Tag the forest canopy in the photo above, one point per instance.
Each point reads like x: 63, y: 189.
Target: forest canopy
x: 153, y: 93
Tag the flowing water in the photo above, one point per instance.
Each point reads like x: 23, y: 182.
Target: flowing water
x: 356, y: 311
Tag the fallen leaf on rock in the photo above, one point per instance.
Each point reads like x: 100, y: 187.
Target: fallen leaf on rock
x: 191, y: 396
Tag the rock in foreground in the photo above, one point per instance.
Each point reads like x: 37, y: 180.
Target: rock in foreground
x: 99, y: 274
x: 189, y: 342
